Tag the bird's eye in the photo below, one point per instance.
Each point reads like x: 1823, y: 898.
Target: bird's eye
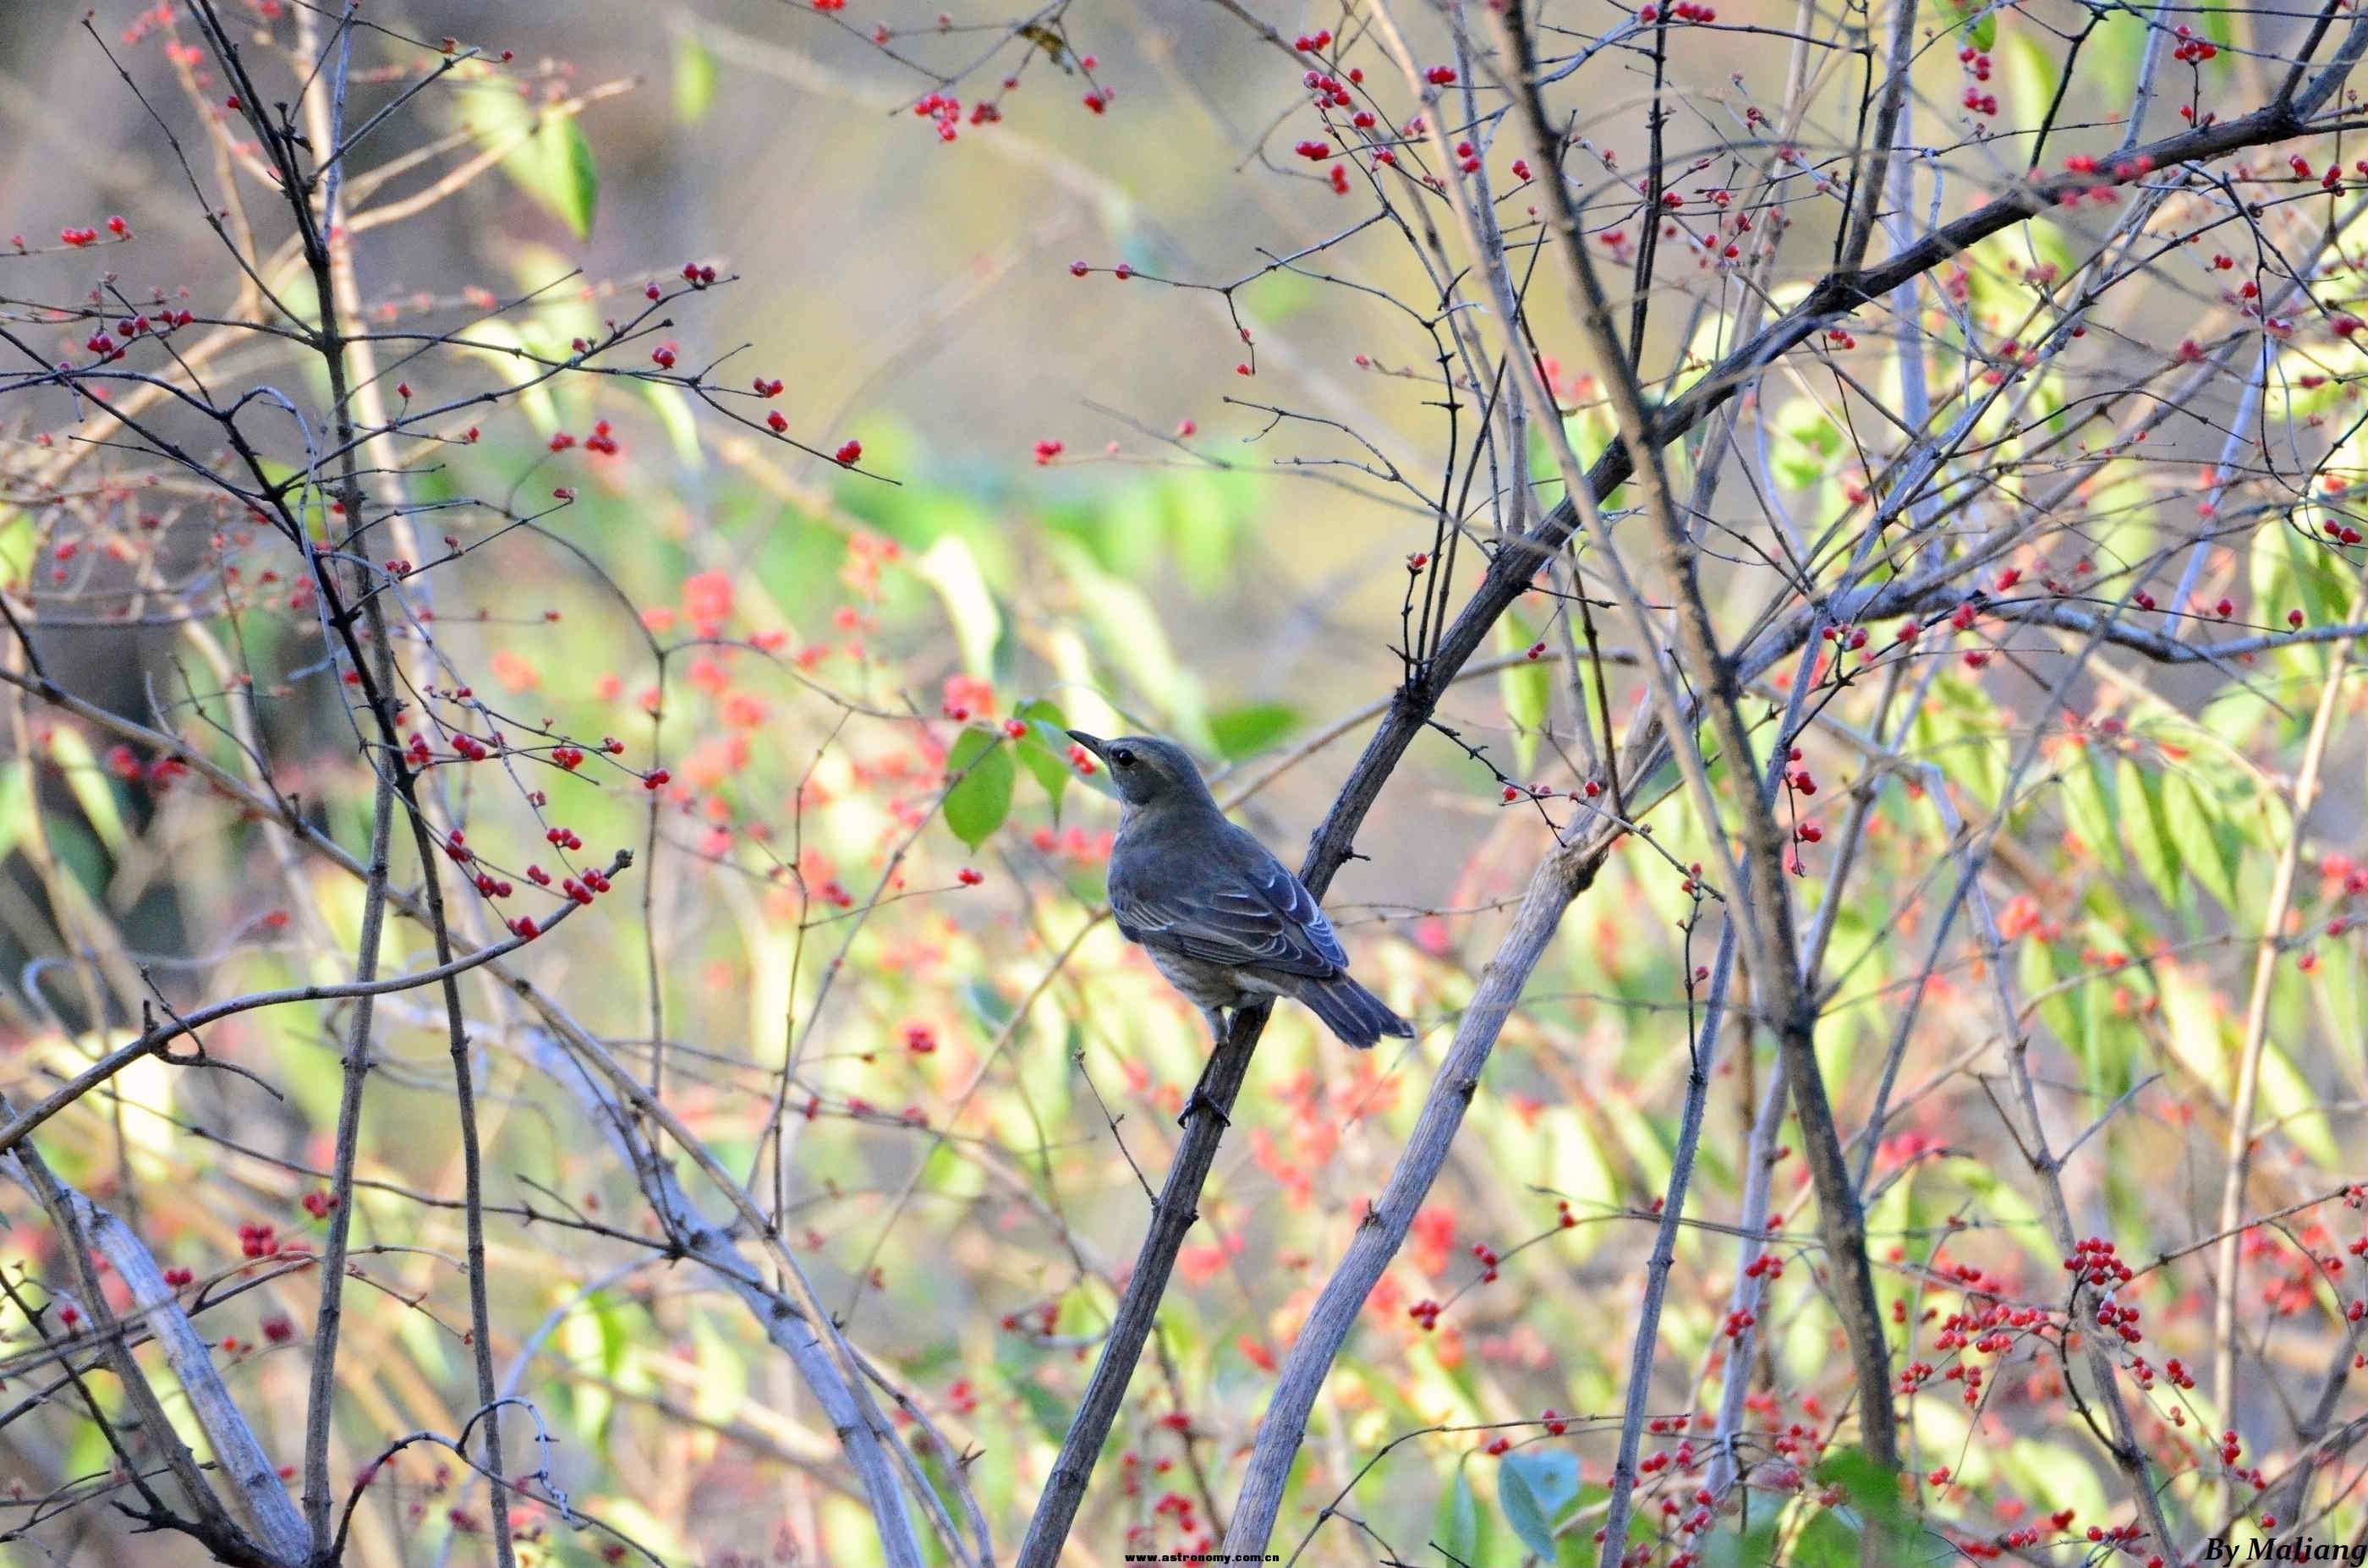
x: 1123, y: 758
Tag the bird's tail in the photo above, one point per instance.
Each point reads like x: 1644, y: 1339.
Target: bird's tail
x: 1351, y: 1011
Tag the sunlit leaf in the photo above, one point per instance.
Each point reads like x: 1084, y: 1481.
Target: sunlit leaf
x: 1981, y: 31
x: 1128, y: 628
x: 544, y: 150
x: 2090, y: 808
x: 681, y: 424
x: 723, y: 1371
x: 2297, y: 1107
x: 950, y: 568
x: 694, y: 76
x: 2201, y: 838
x: 2032, y: 69
x: 498, y: 343
x: 94, y: 790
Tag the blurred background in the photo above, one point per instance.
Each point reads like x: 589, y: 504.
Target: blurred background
x: 1002, y: 492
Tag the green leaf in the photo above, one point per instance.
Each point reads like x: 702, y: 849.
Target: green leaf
x: 1205, y: 515
x: 2091, y: 810
x: 585, y: 1339
x: 950, y: 568
x: 1551, y: 1475
x: 1246, y: 731
x: 1046, y: 1407
x: 694, y: 76
x: 2030, y: 72
x: 1826, y: 1541
x: 17, y: 544
x: 1982, y: 32
x: 980, y: 797
x: 543, y: 152
x: 2036, y: 975
x: 93, y: 790
x: 1526, y: 687
x: 1808, y: 444
x: 2147, y: 832
x: 723, y: 1371
x: 1459, y: 1520
x: 498, y: 343
x: 1523, y: 1512
x: 2298, y: 1108
x: 1127, y: 625
x: 1870, y: 1488
x: 1056, y: 738
x: 2200, y: 834
x: 681, y: 427
x: 1045, y: 750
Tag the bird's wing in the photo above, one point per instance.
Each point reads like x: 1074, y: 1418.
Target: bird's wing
x: 1243, y: 909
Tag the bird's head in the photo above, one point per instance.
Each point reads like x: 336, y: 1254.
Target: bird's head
x: 1146, y: 770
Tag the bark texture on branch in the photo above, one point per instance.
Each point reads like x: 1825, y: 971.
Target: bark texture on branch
x: 1561, y: 878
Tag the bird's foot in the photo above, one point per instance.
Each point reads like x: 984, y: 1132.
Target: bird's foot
x: 1199, y: 1103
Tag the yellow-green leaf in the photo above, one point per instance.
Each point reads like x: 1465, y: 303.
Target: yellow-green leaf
x: 949, y: 567
x: 694, y: 76
x: 1526, y: 688
x: 542, y: 150
x: 92, y: 789
x: 2201, y: 834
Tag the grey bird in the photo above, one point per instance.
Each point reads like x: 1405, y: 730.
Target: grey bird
x: 1224, y: 920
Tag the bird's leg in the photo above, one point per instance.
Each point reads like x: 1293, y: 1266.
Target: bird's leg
x: 1199, y: 1099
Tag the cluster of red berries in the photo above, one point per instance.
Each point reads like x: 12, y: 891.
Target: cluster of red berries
x: 2094, y: 1261
x: 1978, y: 63
x: 942, y: 109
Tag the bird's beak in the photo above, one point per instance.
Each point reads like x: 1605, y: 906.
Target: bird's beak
x: 1093, y: 744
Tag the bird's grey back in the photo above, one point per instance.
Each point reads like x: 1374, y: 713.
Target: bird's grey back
x: 1181, y: 877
